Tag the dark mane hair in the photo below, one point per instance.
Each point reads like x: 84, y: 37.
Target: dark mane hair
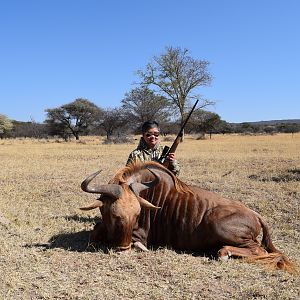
x: 123, y: 174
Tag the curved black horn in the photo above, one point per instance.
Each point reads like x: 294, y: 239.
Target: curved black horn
x: 137, y: 187
x: 85, y: 183
x: 113, y: 190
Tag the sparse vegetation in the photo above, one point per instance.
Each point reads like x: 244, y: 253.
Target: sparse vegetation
x: 44, y: 235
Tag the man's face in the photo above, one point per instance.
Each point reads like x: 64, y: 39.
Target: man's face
x: 151, y: 137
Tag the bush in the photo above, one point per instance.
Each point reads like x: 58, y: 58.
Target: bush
x: 119, y: 140
x: 168, y: 139
x: 201, y: 137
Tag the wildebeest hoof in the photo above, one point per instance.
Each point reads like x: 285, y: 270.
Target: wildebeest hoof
x: 225, y: 257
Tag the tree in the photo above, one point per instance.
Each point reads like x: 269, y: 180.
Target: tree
x: 177, y: 76
x: 30, y: 129
x: 224, y: 127
x: 141, y: 104
x: 205, y: 121
x: 73, y: 118
x: 6, y: 126
x: 111, y: 120
x: 269, y: 129
x: 289, y: 128
x: 247, y: 128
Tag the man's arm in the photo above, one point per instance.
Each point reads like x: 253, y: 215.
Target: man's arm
x: 173, y: 165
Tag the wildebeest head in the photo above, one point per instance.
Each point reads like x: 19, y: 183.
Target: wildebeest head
x: 120, y: 206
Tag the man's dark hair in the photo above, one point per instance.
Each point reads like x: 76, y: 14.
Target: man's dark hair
x: 149, y: 125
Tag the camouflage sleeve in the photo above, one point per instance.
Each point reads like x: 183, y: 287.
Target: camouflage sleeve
x: 135, y: 156
x: 131, y: 159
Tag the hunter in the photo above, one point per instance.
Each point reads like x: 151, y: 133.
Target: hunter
x: 150, y: 149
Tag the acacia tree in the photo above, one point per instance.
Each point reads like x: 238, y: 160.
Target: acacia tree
x: 142, y: 104
x: 6, y: 125
x: 110, y: 120
x: 72, y: 118
x: 177, y: 76
x: 204, y: 121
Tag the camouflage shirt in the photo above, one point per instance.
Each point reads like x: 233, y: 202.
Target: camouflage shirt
x: 143, y: 153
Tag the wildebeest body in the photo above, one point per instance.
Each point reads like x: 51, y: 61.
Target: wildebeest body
x: 185, y: 219
x: 151, y: 206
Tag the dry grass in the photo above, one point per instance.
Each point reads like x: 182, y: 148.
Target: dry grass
x: 43, y: 235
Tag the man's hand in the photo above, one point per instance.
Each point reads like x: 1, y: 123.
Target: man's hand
x: 171, y: 157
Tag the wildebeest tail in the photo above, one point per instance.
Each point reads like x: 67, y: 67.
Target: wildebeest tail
x: 274, y: 259
x: 266, y: 239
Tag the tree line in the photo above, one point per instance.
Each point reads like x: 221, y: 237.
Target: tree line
x: 167, y: 88
x: 82, y: 117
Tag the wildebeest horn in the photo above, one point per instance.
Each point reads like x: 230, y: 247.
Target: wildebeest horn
x: 113, y: 190
x: 137, y: 187
x: 95, y: 204
x: 147, y: 204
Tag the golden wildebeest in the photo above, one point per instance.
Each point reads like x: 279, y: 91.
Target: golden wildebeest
x: 145, y: 204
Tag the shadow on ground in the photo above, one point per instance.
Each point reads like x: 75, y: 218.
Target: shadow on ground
x: 72, y: 241
x: 80, y: 219
x: 79, y: 242
x: 286, y: 176
x: 75, y: 241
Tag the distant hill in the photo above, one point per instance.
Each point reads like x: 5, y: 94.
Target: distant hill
x: 272, y: 122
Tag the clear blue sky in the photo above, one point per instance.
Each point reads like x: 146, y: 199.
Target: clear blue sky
x: 54, y: 51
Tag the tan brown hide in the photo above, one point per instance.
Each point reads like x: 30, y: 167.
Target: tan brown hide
x: 148, y: 205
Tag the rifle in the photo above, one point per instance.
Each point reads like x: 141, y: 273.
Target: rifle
x: 162, y: 160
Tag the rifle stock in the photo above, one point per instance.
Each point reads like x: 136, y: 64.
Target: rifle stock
x: 163, y: 159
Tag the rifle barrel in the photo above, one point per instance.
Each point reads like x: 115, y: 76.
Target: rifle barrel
x: 168, y: 150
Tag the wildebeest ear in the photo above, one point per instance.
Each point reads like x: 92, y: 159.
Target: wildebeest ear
x: 146, y: 204
x: 137, y: 187
x: 95, y: 204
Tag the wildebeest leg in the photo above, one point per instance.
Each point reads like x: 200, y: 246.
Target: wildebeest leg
x: 139, y: 239
x: 228, y: 251
x: 98, y: 235
x: 234, y: 229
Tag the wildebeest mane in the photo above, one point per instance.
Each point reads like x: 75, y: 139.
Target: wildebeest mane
x: 123, y: 174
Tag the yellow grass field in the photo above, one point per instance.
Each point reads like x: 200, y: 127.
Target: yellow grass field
x: 44, y: 235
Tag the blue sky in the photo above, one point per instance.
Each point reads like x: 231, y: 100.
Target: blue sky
x: 54, y: 51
